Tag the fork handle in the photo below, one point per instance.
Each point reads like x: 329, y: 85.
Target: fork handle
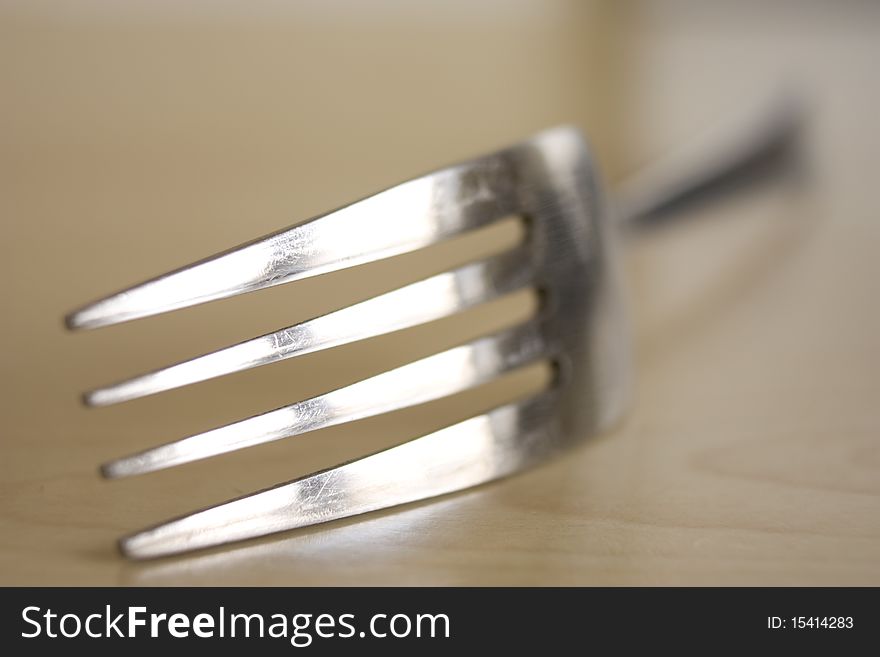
x: 763, y: 147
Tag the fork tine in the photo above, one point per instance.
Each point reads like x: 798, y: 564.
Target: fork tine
x: 430, y: 378
x: 465, y: 454
x: 403, y: 218
x: 430, y: 299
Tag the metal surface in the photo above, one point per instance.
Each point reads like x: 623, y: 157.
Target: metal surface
x: 569, y: 256
x: 424, y: 301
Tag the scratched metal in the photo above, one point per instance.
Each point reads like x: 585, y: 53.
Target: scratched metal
x: 569, y: 255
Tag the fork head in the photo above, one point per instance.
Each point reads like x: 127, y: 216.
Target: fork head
x: 569, y: 256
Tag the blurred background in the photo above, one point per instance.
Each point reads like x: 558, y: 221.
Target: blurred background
x: 140, y: 136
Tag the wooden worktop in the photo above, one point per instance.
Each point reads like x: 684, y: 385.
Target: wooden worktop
x: 137, y: 139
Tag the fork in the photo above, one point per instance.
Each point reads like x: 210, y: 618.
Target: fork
x: 569, y: 255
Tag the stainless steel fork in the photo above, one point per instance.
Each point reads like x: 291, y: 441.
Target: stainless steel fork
x: 569, y: 255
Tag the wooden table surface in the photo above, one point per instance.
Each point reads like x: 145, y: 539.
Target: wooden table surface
x: 138, y: 137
